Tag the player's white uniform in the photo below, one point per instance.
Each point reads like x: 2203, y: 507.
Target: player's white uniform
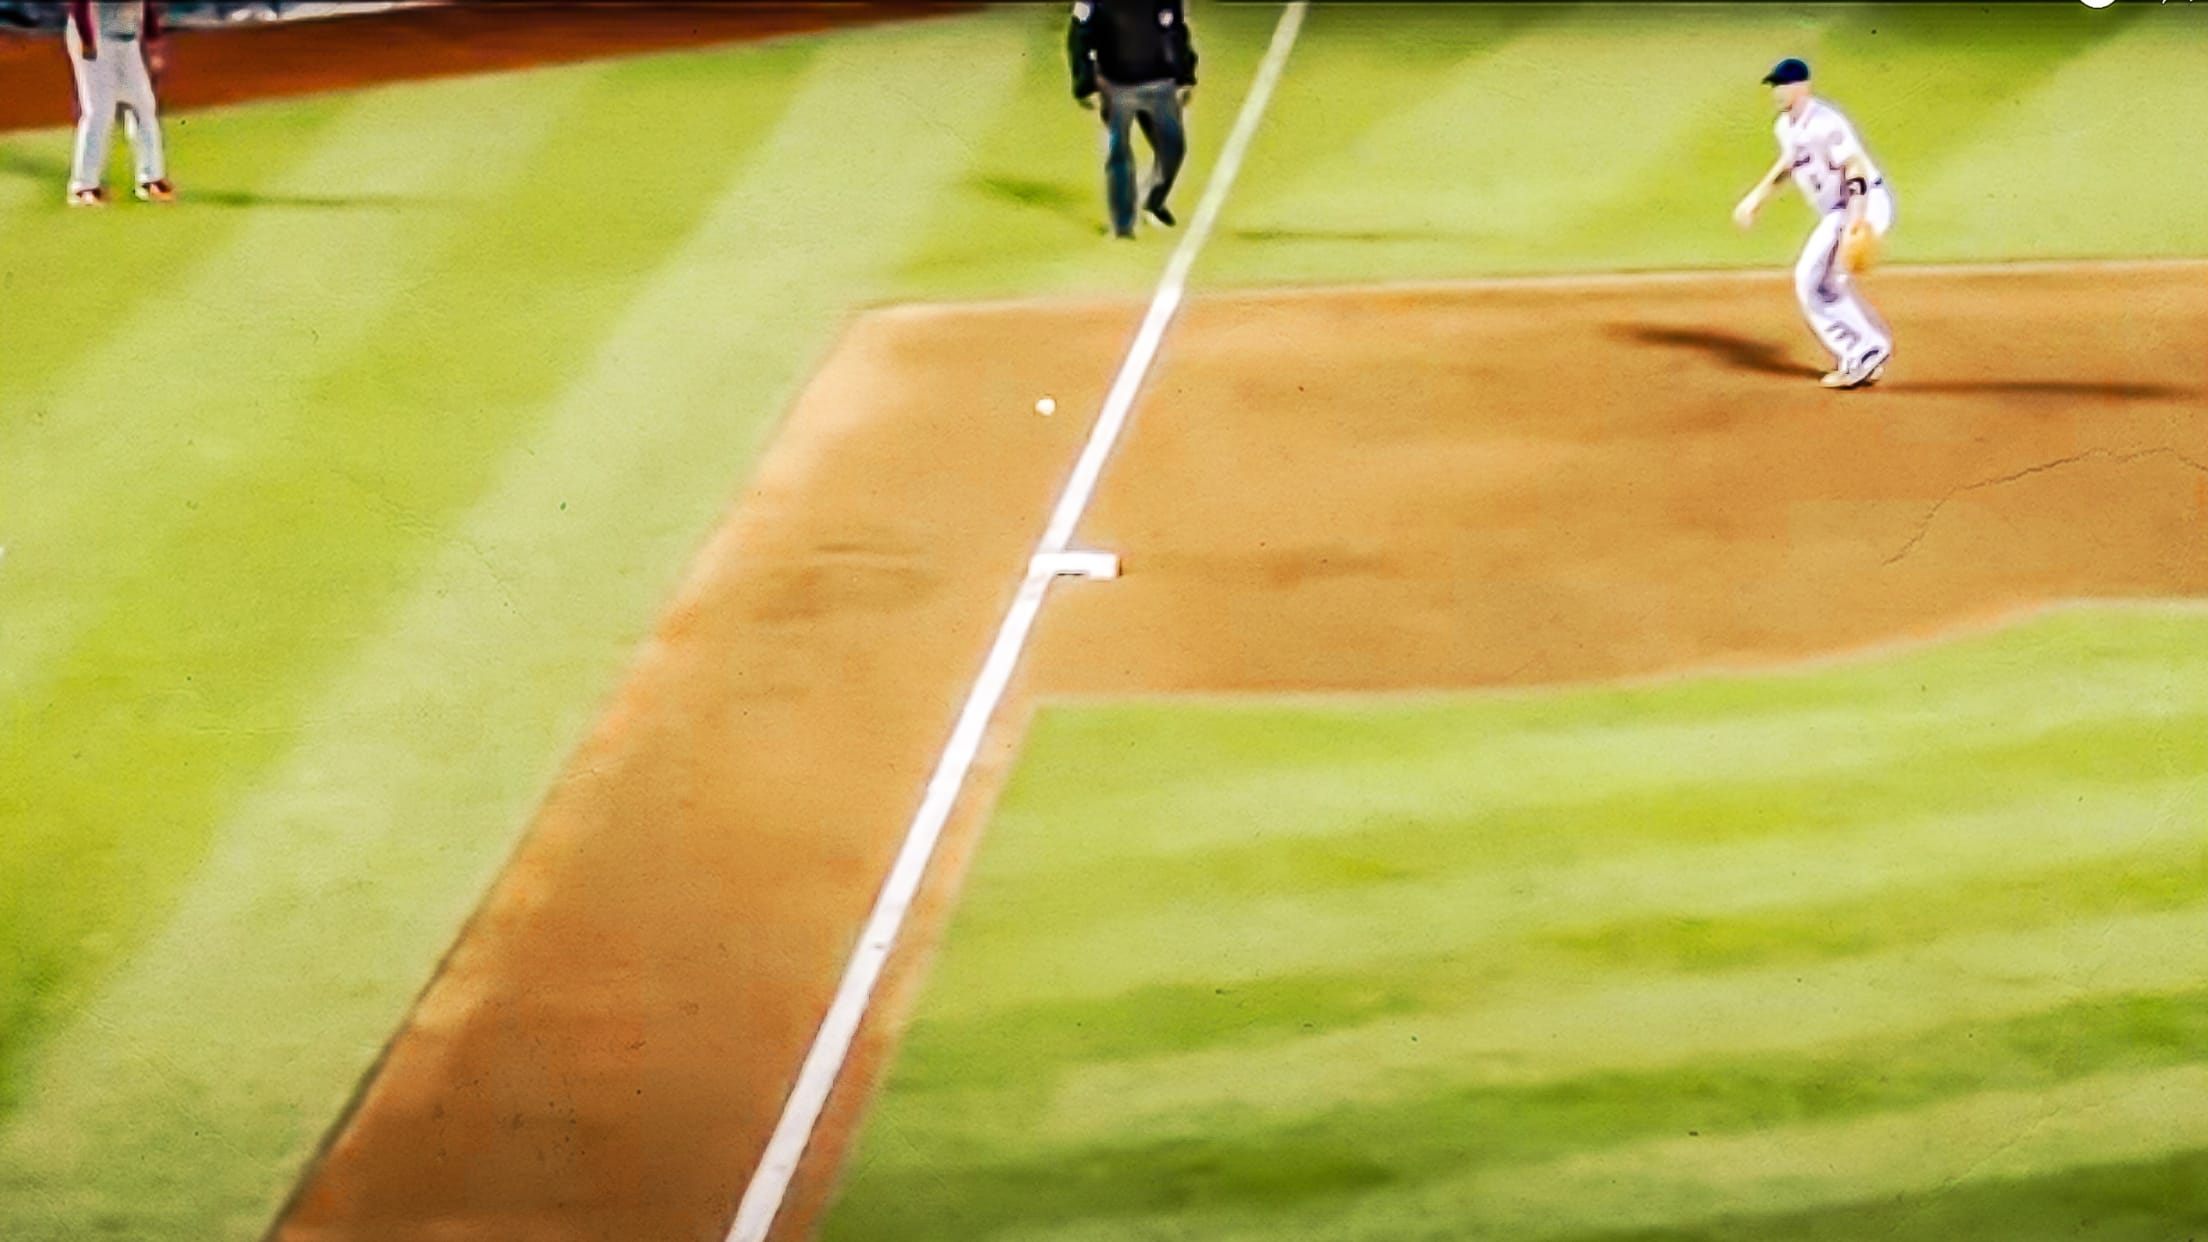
x: 115, y: 79
x: 1817, y: 147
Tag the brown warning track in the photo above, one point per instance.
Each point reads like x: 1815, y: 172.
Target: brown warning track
x: 1352, y: 491
x: 260, y: 61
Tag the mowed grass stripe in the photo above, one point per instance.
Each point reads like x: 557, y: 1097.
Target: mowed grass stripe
x: 2152, y: 1200
x: 1618, y: 90
x: 1427, y: 808
x: 200, y: 383
x: 1623, y: 846
x: 1532, y: 1029
x: 1640, y: 917
x: 1588, y: 1000
x: 1899, y: 72
x: 75, y: 279
x: 642, y: 450
x: 140, y: 677
x: 2086, y: 120
x: 1646, y: 126
x: 1643, y: 903
x: 1232, y: 1163
x: 1457, y: 182
x: 1360, y: 71
x: 1196, y: 778
x: 1990, y: 1137
x: 433, y: 396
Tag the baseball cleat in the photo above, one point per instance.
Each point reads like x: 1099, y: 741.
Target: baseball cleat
x: 157, y: 190
x: 92, y: 197
x: 1863, y: 374
x: 1157, y: 210
x: 1867, y: 371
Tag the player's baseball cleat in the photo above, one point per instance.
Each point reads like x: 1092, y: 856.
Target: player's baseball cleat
x: 93, y: 197
x: 1867, y: 371
x: 157, y: 191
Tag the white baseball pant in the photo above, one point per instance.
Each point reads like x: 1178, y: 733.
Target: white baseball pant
x: 1830, y: 302
x: 117, y: 80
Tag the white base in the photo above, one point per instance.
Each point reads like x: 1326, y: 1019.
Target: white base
x: 1072, y: 564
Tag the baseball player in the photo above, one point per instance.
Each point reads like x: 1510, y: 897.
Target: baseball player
x: 114, y: 46
x: 1137, y: 55
x: 1820, y: 150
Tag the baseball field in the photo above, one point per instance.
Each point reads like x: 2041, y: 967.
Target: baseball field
x: 486, y: 578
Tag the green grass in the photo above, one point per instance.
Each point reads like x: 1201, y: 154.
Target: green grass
x: 387, y: 446
x: 1909, y: 944
x: 1432, y: 141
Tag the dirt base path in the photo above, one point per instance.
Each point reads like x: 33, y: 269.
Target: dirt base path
x: 1321, y: 492
x: 277, y: 59
x: 1549, y: 485
x: 606, y: 1049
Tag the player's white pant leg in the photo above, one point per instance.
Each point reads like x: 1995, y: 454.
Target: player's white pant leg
x: 1828, y: 296
x: 97, y: 98
x: 141, y: 114
x: 1878, y: 212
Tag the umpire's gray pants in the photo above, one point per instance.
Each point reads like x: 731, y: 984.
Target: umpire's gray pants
x: 1156, y: 107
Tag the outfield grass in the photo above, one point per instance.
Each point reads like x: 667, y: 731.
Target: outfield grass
x: 388, y: 444
x: 386, y: 451
x: 1910, y: 947
x: 1414, y: 141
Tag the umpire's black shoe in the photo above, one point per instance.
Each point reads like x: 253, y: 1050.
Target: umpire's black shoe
x: 1157, y: 211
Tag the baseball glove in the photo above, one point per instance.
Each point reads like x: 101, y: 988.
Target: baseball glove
x: 1859, y: 247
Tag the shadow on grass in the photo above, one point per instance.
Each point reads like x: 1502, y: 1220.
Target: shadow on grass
x: 24, y: 166
x: 325, y: 202
x: 1044, y: 196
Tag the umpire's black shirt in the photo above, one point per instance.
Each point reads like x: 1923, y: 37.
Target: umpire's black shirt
x: 1129, y: 42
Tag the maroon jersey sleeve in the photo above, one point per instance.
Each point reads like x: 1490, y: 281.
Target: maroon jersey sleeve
x: 80, y: 16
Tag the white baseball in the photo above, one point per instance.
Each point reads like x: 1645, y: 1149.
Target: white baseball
x: 1046, y: 407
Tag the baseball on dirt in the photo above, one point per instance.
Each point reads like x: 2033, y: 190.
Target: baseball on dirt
x: 1046, y: 407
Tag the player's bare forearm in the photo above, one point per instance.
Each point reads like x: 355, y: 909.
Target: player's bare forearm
x: 1752, y: 202
x: 1772, y: 180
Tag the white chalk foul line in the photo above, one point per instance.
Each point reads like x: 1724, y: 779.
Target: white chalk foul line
x: 770, y: 1182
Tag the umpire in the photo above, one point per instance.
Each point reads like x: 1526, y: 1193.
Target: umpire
x: 1138, y: 55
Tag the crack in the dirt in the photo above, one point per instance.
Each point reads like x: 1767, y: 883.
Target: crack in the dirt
x: 1924, y: 528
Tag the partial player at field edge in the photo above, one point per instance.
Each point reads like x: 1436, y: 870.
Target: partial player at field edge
x: 114, y: 50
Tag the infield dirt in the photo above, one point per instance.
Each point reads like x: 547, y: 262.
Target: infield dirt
x: 1321, y: 491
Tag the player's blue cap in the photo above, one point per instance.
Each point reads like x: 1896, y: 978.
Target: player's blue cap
x: 1788, y: 70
